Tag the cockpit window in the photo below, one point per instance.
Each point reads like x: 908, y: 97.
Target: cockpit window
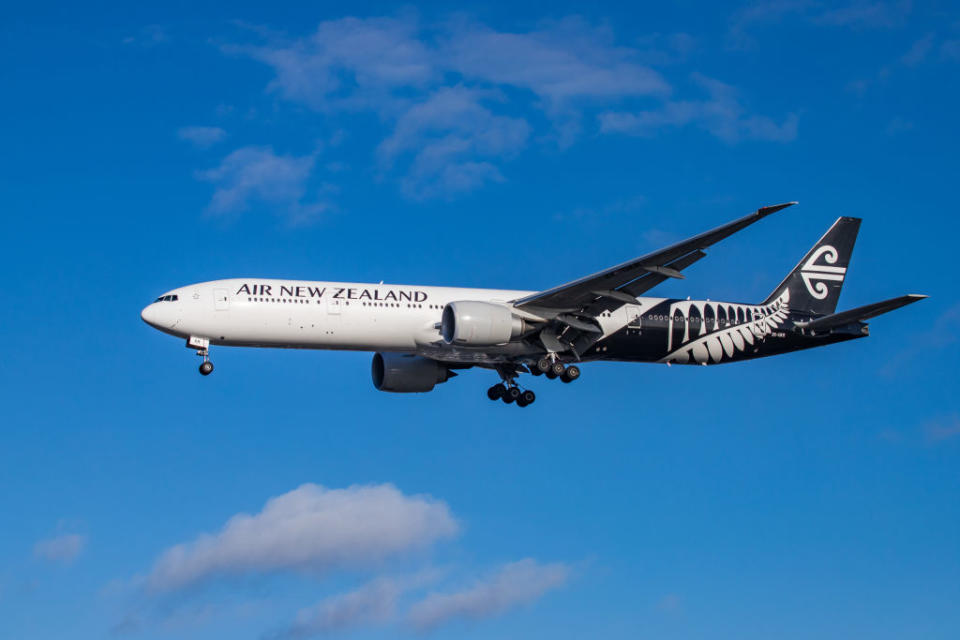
x: 170, y: 298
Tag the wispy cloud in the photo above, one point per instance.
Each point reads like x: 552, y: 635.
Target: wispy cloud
x: 513, y: 585
x: 856, y: 15
x: 62, y: 548
x: 374, y: 603
x: 920, y: 52
x: 149, y: 36
x: 671, y: 603
x: 950, y: 50
x: 562, y: 62
x: 865, y: 14
x: 944, y: 428
x: 449, y: 135
x: 458, y: 99
x: 257, y: 174
x: 309, y: 529
x: 202, y: 137
x: 722, y: 114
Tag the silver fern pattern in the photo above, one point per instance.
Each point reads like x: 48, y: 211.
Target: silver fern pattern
x: 713, y: 331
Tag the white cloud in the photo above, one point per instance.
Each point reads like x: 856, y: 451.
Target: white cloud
x: 372, y: 603
x: 257, y: 174
x: 349, y: 63
x: 561, y: 62
x: 313, y: 529
x: 515, y: 584
x: 202, y: 137
x: 63, y: 548
x: 446, y: 134
x: 458, y: 99
x: 722, y: 115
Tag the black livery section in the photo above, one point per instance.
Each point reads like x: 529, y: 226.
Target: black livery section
x: 799, y: 314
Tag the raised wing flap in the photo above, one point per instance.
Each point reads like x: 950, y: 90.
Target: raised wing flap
x: 630, y: 279
x: 859, y: 314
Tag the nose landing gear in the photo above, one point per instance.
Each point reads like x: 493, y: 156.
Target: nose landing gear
x: 202, y: 345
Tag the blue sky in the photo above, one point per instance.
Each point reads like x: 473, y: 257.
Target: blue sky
x: 507, y: 146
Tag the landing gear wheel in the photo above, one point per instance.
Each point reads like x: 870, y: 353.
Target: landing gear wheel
x: 534, y: 370
x: 496, y: 391
x: 206, y: 368
x: 557, y: 369
x: 551, y: 375
x: 511, y: 395
x: 527, y: 397
x: 543, y: 364
x: 571, y: 374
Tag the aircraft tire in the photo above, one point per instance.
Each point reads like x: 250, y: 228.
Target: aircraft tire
x: 527, y: 397
x: 571, y: 374
x: 206, y: 368
x: 511, y: 395
x: 496, y: 391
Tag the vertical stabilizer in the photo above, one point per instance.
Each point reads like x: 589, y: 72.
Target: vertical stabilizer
x: 814, y: 284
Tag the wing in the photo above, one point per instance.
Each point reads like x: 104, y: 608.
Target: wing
x: 619, y: 285
x: 569, y: 313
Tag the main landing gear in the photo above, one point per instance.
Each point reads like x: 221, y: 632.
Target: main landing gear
x: 511, y: 394
x: 554, y: 369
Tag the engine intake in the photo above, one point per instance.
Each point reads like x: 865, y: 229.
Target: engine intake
x: 479, y: 324
x: 405, y: 373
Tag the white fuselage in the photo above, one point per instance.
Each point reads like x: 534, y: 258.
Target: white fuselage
x: 333, y: 315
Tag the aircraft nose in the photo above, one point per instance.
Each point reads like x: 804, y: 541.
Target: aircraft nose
x: 150, y: 315
x: 161, y: 315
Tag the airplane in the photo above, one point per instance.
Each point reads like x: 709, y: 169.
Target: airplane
x: 421, y: 335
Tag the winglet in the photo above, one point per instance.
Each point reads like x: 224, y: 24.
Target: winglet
x: 765, y: 211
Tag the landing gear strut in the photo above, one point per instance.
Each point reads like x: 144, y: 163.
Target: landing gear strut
x: 202, y: 345
x: 509, y: 392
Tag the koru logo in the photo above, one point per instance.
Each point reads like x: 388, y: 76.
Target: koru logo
x: 815, y: 275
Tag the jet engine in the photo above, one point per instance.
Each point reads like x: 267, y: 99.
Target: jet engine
x: 479, y: 324
x: 405, y: 373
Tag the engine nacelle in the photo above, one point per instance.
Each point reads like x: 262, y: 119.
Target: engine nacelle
x: 404, y: 373
x: 479, y: 324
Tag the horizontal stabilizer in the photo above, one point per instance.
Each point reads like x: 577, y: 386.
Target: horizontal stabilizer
x: 860, y: 313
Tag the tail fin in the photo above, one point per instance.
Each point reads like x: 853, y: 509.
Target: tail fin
x: 814, y: 284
